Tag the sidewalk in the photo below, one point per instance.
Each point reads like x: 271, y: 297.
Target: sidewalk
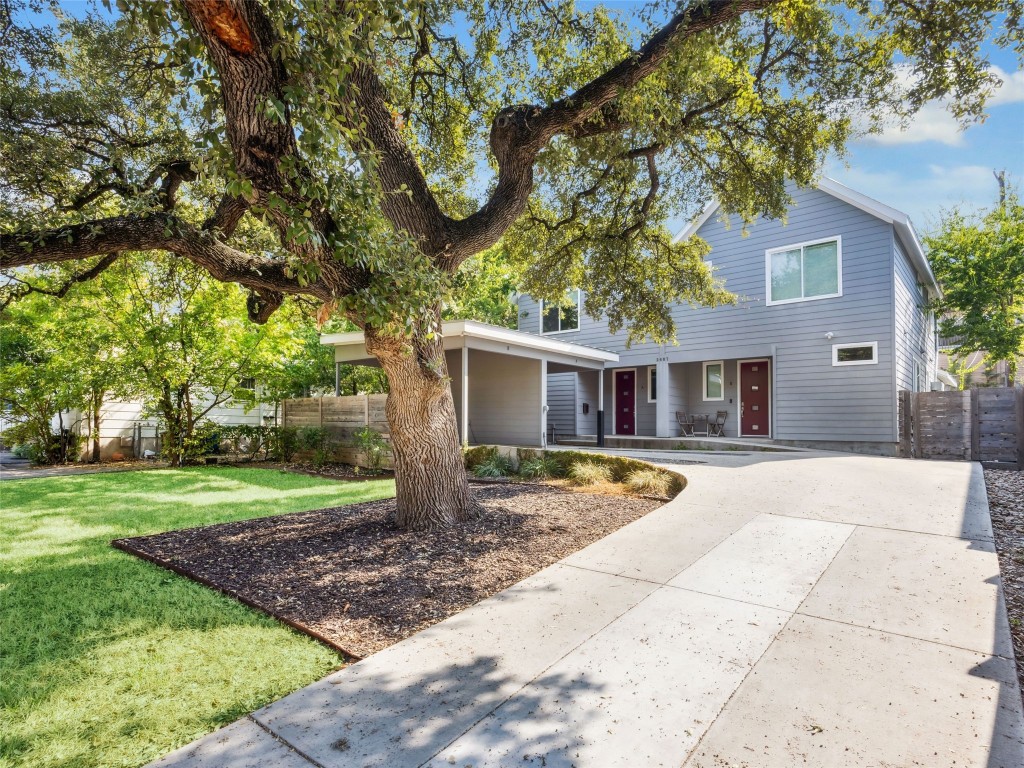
x: 785, y: 609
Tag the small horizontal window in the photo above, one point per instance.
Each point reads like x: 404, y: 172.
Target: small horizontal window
x: 860, y: 353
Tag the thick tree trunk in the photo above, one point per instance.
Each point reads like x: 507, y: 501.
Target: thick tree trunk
x: 431, y: 484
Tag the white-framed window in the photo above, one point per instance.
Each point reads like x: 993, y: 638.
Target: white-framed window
x: 855, y: 353
x: 804, y: 272
x: 561, y: 317
x: 714, y: 385
x: 652, y: 384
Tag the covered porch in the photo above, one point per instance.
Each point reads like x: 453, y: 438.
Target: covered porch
x: 499, y: 377
x: 644, y: 400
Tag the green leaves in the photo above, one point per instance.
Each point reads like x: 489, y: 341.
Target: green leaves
x: 979, y: 260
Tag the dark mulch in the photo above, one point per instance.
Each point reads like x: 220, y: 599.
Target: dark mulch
x: 349, y: 577
x: 1006, y: 504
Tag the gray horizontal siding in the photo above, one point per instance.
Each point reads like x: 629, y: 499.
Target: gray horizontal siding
x: 562, y: 403
x: 813, y: 399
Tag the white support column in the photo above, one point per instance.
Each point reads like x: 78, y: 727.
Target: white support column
x: 544, y: 403
x: 662, y: 415
x: 464, y: 373
x: 600, y: 407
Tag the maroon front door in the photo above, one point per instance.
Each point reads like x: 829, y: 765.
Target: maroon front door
x: 755, y: 399
x: 625, y: 402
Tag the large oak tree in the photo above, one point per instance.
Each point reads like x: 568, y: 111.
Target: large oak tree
x: 360, y: 152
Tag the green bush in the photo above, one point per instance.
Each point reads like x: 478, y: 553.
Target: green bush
x: 654, y: 482
x: 372, y: 445
x: 538, y: 468
x: 283, y: 443
x: 23, y: 450
x: 319, y: 441
x: 589, y: 473
x: 495, y: 466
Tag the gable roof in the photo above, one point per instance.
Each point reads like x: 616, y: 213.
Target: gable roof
x: 901, y: 223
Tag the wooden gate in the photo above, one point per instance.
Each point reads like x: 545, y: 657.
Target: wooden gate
x: 985, y: 424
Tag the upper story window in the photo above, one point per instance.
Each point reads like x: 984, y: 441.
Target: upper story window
x: 561, y: 317
x: 805, y: 271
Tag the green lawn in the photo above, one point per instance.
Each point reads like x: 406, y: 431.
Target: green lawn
x: 110, y: 661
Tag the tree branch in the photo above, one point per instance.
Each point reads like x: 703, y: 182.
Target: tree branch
x: 160, y: 232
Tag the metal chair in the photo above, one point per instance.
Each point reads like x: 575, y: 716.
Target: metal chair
x: 717, y: 427
x: 685, y: 423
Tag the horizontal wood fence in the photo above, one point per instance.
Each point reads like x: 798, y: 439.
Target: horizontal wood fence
x: 985, y: 424
x: 341, y: 416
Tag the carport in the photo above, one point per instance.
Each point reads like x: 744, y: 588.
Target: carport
x: 499, y: 377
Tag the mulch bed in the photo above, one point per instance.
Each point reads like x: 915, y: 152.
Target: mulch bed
x: 350, y: 578
x: 1006, y: 504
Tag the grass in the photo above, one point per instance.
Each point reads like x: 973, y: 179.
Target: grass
x: 111, y: 661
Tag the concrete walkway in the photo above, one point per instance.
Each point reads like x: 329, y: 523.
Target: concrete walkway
x: 786, y: 609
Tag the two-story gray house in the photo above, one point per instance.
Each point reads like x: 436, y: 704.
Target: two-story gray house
x: 830, y: 325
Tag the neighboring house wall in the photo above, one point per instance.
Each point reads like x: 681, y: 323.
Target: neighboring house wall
x: 118, y: 419
x: 813, y: 400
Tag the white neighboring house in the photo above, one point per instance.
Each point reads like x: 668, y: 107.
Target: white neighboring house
x: 126, y: 429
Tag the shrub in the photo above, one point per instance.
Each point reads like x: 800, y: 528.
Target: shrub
x: 373, y: 446
x: 538, y: 468
x: 589, y: 473
x: 24, y: 450
x: 473, y: 457
x: 648, y: 481
x: 495, y: 465
x: 319, y: 441
x: 283, y: 443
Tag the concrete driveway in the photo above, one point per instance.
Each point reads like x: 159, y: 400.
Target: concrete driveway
x: 786, y: 609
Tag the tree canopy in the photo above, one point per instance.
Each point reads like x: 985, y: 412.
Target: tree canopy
x: 360, y: 153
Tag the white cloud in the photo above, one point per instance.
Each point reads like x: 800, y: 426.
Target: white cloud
x: 925, y: 195
x: 934, y: 123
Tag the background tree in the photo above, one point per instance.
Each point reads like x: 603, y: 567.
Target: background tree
x: 979, y: 260
x: 186, y: 343
x: 360, y: 154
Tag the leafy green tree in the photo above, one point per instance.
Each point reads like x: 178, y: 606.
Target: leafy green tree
x: 186, y: 342
x: 361, y: 154
x: 42, y: 364
x: 979, y: 260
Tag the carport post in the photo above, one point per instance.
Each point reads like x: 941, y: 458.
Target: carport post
x: 464, y: 400
x: 337, y: 379
x: 600, y: 407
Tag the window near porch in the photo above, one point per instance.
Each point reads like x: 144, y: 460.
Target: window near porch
x: 713, y: 388
x: 561, y: 316
x: 804, y: 272
x: 652, y: 385
x: 860, y: 353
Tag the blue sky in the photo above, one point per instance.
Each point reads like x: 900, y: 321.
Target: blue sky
x: 933, y: 166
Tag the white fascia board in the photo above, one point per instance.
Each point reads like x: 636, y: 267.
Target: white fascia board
x: 901, y: 223
x: 691, y: 229
x: 455, y: 331
x: 899, y: 220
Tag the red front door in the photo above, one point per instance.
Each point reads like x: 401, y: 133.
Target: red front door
x: 755, y: 399
x: 625, y: 402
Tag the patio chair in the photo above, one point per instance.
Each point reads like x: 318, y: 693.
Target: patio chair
x: 717, y: 427
x: 685, y: 422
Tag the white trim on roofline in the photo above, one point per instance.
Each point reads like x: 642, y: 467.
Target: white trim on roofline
x: 474, y: 329
x: 901, y: 223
